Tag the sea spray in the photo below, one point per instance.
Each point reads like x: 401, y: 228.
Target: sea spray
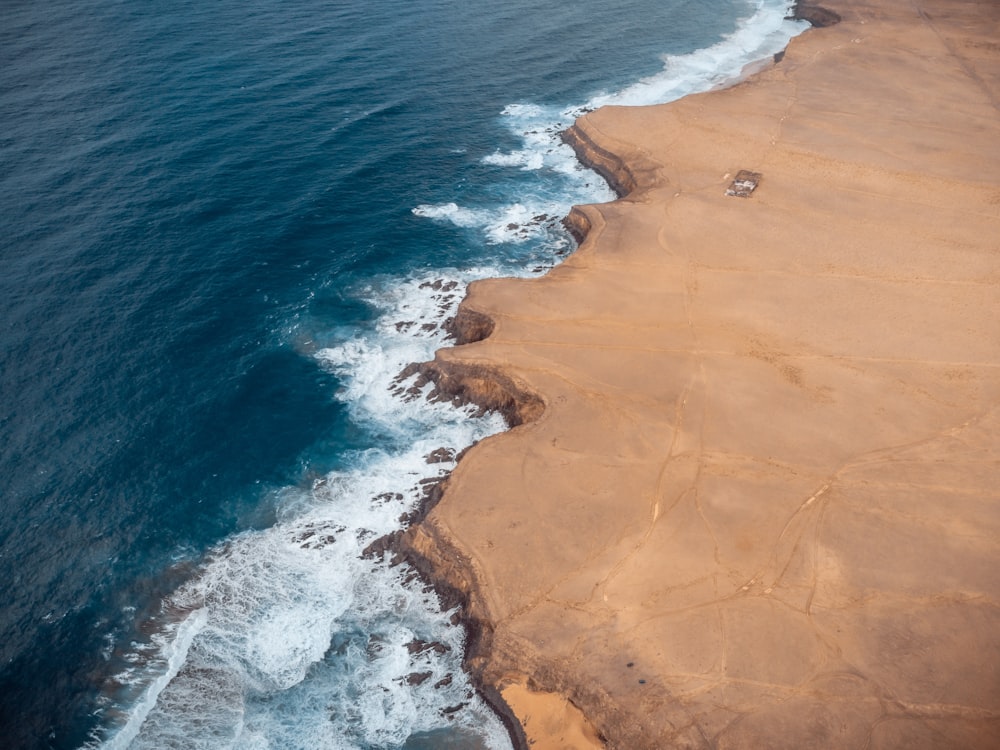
x: 295, y: 638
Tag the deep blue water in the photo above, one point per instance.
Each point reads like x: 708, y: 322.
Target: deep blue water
x: 212, y: 218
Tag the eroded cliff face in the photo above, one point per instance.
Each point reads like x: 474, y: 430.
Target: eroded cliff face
x: 751, y: 498
x: 486, y: 386
x: 431, y: 549
x: 469, y: 326
x: 618, y: 173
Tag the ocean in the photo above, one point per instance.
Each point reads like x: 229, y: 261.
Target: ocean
x: 224, y: 229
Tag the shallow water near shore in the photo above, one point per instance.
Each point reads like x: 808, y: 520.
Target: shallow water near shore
x: 226, y: 229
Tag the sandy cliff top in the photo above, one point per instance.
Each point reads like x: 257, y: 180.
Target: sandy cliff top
x: 761, y: 507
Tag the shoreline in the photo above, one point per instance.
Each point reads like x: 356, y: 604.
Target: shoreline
x: 491, y: 390
x: 511, y: 637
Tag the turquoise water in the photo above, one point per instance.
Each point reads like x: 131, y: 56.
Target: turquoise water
x: 224, y: 228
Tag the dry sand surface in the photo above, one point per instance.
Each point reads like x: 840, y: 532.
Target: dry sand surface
x: 761, y: 508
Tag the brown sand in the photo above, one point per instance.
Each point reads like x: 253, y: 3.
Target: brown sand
x: 761, y: 508
x: 550, y: 720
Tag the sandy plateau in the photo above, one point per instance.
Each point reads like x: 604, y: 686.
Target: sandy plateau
x: 761, y: 505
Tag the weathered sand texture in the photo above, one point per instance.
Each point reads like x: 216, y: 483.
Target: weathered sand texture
x: 551, y: 721
x: 761, y: 507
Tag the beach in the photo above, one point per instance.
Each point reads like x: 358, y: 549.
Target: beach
x: 751, y: 495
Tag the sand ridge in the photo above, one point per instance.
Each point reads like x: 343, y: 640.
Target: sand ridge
x: 760, y: 507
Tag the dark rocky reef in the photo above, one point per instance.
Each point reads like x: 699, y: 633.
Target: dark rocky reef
x: 488, y: 388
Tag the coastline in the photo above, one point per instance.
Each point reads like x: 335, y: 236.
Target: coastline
x: 721, y: 553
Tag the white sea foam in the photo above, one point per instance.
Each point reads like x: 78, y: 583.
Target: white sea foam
x: 764, y: 33
x: 460, y: 217
x: 409, y: 329
x: 534, y: 217
x: 175, y: 642
x: 306, y: 642
x: 525, y: 158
